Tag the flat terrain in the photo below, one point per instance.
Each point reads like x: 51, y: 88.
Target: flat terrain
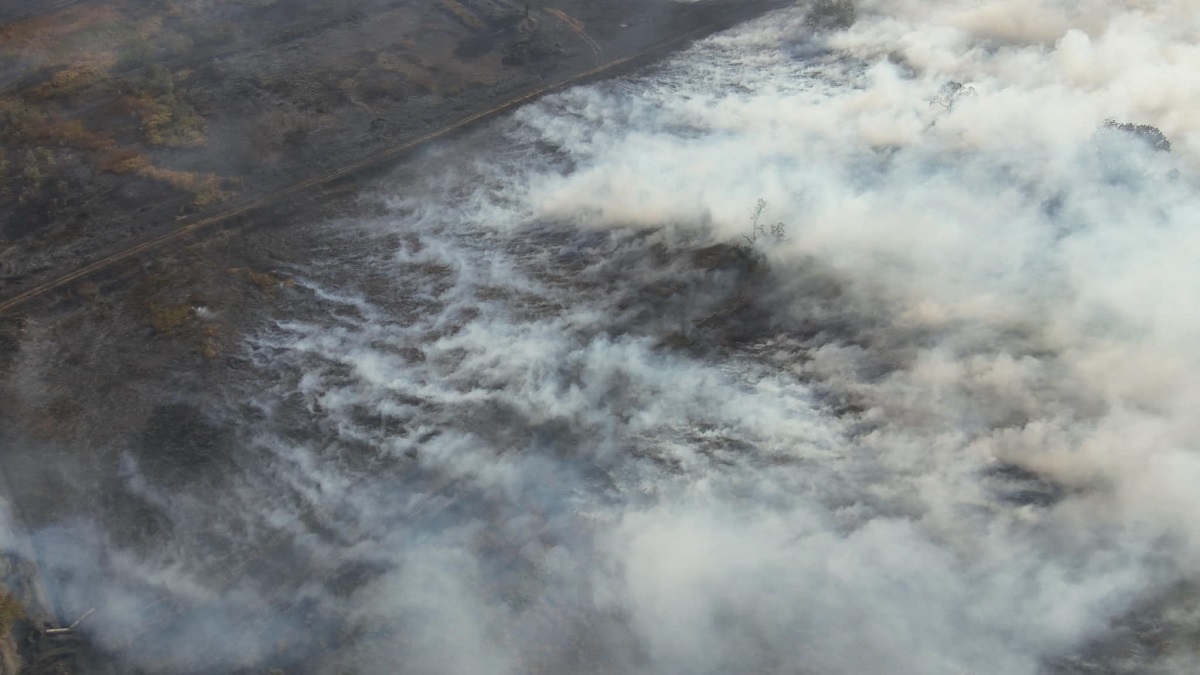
x: 124, y: 122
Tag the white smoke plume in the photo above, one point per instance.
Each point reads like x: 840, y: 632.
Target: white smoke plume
x: 545, y: 415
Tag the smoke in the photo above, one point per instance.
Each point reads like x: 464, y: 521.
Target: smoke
x: 544, y: 415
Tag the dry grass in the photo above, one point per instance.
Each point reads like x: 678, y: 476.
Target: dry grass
x: 18, y: 118
x: 87, y: 71
x: 575, y: 24
x: 266, y: 282
x: 158, y: 293
x: 168, y: 317
x: 12, y: 610
x: 166, y: 120
x: 412, y: 68
x: 463, y: 14
x: 120, y: 161
x: 165, y: 316
x: 87, y: 290
x: 48, y: 31
x: 70, y: 134
x: 208, y: 340
x: 149, y: 27
x: 22, y: 122
x: 206, y: 187
x: 32, y: 124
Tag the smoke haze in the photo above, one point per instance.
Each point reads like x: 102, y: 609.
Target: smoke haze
x: 542, y: 413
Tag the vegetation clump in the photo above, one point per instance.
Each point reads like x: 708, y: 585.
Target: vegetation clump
x: 774, y: 232
x: 166, y: 120
x: 952, y: 92
x: 166, y: 318
x: 469, y: 19
x: 831, y: 15
x: 1144, y: 132
x: 86, y: 59
x: 12, y: 610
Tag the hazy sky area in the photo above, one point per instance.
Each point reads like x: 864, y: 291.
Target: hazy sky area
x: 541, y: 416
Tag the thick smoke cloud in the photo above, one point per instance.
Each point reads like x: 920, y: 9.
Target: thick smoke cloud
x: 533, y: 420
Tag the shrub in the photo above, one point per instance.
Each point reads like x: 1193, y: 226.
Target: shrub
x: 831, y: 15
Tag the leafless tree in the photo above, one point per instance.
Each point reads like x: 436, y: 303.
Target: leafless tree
x: 758, y: 229
x: 950, y: 93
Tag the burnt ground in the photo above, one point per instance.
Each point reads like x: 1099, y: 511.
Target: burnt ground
x: 139, y: 364
x: 125, y: 120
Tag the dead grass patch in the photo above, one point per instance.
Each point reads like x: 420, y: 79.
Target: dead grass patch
x: 149, y: 26
x: 165, y: 316
x: 12, y: 610
x: 120, y: 161
x: 71, y: 134
x: 207, y: 188
x: 48, y: 30
x: 22, y: 122
x: 87, y: 290
x: 166, y: 120
x: 169, y: 317
x: 208, y: 340
x: 266, y: 282
x: 463, y: 14
x: 76, y: 77
x: 575, y: 24
x: 413, y: 70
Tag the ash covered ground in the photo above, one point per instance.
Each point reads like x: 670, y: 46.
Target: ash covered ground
x: 126, y: 119
x: 562, y: 395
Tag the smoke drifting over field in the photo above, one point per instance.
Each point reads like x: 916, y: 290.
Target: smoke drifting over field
x: 542, y: 416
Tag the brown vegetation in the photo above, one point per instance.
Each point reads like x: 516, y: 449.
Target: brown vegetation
x: 165, y: 119
x: 463, y: 14
x: 167, y: 317
x: 47, y: 30
x: 12, y: 610
x: 207, y: 188
x: 78, y: 49
x: 76, y: 77
x: 87, y: 290
x: 265, y: 281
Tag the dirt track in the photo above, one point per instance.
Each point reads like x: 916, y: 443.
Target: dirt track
x: 249, y: 206
x: 202, y: 128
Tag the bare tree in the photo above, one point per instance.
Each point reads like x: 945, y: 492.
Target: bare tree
x: 774, y: 231
x: 950, y: 93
